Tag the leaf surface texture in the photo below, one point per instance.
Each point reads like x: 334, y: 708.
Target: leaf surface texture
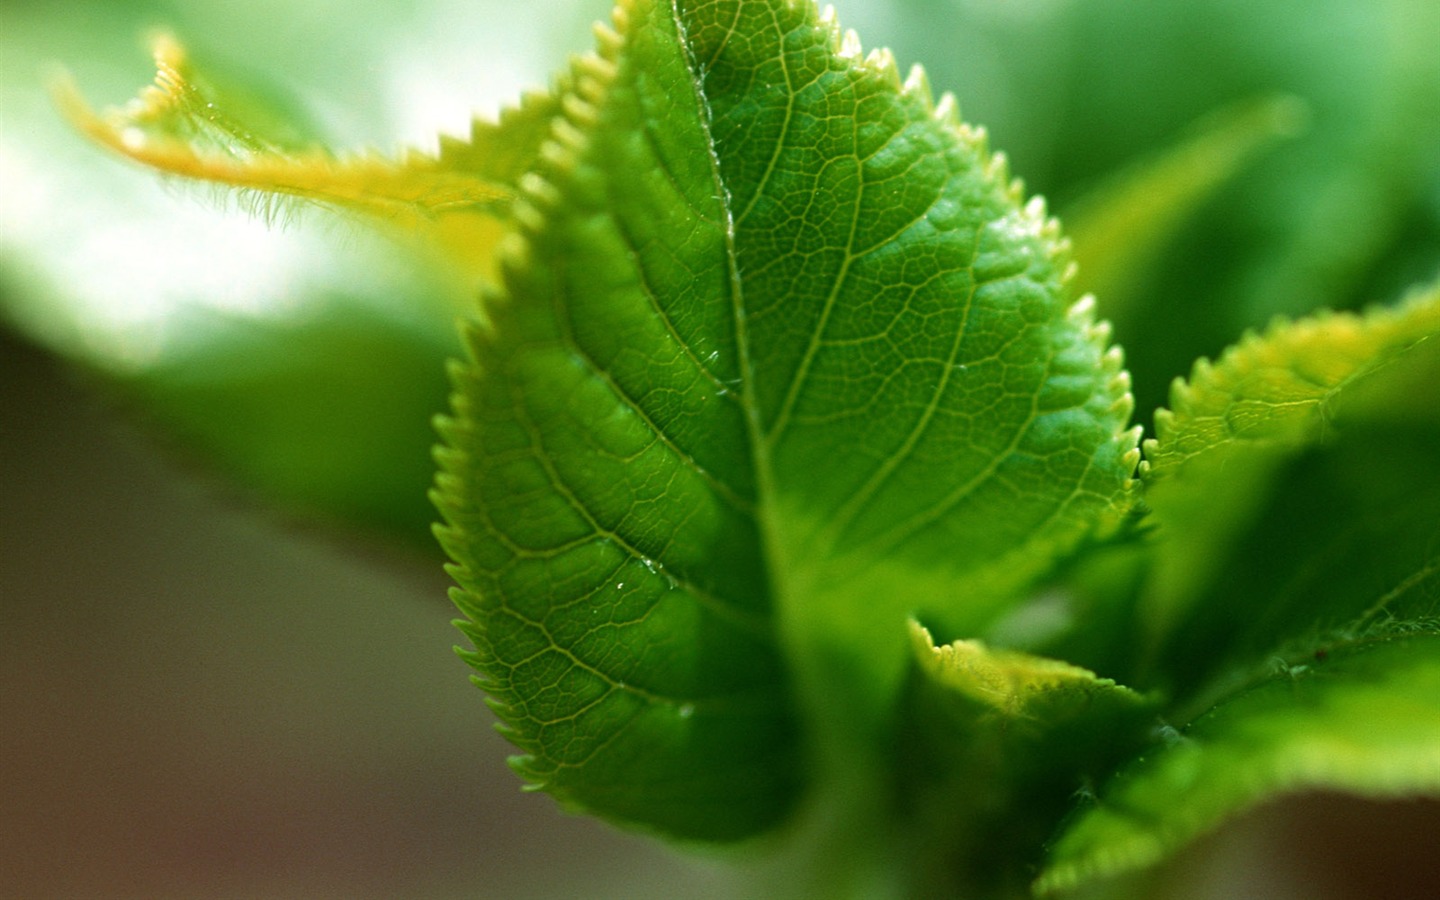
x: 782, y: 357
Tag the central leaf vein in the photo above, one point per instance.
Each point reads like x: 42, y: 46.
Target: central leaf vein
x: 759, y: 457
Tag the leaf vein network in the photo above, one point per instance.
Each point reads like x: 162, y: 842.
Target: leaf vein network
x: 599, y: 372
x: 652, y: 297
x: 816, y: 341
x: 725, y: 609
x: 901, y: 531
x: 791, y: 94
x: 862, y: 496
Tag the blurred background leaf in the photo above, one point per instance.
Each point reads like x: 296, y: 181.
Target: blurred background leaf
x: 301, y: 356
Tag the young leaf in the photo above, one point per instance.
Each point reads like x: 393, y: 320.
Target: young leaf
x: 1276, y: 389
x: 784, y: 357
x: 1016, y: 687
x: 183, y: 126
x: 1208, y: 470
x: 1305, y: 545
x: 1343, y: 544
x: 1366, y: 719
x: 993, y: 746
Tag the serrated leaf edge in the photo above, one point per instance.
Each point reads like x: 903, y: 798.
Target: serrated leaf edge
x: 1187, y: 400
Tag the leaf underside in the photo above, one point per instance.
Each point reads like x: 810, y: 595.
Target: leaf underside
x: 783, y: 356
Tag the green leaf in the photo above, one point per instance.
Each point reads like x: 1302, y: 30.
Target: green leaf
x: 1211, y: 468
x: 1298, y: 504
x: 1276, y: 389
x: 1342, y: 215
x: 1364, y: 718
x: 1343, y: 543
x: 992, y: 747
x: 308, y: 376
x: 1017, y: 688
x: 783, y: 358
